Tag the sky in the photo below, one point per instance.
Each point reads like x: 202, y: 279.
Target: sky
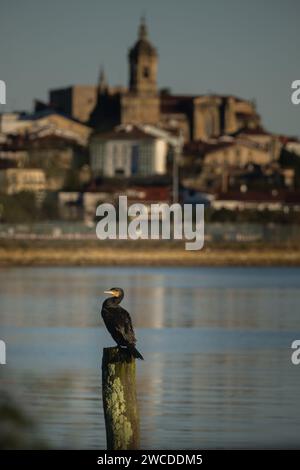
x: 246, y: 48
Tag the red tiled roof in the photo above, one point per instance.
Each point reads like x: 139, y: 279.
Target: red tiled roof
x: 245, y: 115
x: 261, y: 196
x: 201, y: 147
x: 285, y: 139
x: 257, y: 131
x: 146, y: 193
x: 175, y: 103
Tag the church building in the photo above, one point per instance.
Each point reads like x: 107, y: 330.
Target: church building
x: 199, y: 117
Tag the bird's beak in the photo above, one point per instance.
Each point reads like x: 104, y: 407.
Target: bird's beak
x: 108, y: 292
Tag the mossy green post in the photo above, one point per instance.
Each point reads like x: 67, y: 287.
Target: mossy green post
x: 119, y: 400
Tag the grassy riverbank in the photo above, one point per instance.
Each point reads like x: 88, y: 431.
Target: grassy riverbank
x: 95, y: 253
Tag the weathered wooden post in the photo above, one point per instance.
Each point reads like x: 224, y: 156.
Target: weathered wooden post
x: 119, y: 400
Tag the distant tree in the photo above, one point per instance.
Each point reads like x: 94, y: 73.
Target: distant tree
x: 166, y: 91
x: 291, y: 160
x: 72, y: 182
x: 18, y: 208
x: 49, y: 209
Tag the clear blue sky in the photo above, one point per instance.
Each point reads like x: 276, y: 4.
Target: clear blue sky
x: 242, y: 47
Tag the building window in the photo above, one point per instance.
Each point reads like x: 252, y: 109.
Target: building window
x: 209, y: 125
x: 146, y: 72
x: 134, y: 159
x: 146, y: 159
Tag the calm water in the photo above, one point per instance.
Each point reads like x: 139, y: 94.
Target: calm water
x: 216, y: 342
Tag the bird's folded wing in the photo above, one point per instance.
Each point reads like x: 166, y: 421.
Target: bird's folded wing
x: 125, y: 328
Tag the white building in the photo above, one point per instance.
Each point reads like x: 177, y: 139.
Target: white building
x: 128, y: 151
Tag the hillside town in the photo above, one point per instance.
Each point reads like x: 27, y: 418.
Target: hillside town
x: 89, y: 143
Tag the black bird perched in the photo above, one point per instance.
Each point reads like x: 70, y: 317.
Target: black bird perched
x: 118, y: 322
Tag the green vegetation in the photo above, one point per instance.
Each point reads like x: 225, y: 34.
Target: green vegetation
x: 24, y: 208
x: 72, y: 182
x: 18, y: 208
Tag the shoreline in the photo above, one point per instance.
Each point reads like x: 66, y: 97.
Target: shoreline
x: 140, y: 256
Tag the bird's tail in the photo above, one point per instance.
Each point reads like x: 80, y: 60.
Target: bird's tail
x: 135, y: 353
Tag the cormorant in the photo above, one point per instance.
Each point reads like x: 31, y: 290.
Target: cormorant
x: 118, y: 322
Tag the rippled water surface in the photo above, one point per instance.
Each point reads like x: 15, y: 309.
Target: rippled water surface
x: 217, y: 344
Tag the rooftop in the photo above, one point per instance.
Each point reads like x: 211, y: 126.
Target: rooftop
x: 128, y: 132
x: 143, y: 46
x: 275, y: 195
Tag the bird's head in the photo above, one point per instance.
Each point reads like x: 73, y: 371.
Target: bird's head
x: 115, y: 292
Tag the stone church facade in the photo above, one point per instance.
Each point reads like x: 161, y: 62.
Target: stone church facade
x: 199, y: 117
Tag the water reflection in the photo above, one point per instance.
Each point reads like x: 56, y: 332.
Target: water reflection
x: 216, y: 342
x: 157, y: 298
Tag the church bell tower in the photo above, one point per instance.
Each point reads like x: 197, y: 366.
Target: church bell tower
x: 143, y: 63
x: 141, y: 104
